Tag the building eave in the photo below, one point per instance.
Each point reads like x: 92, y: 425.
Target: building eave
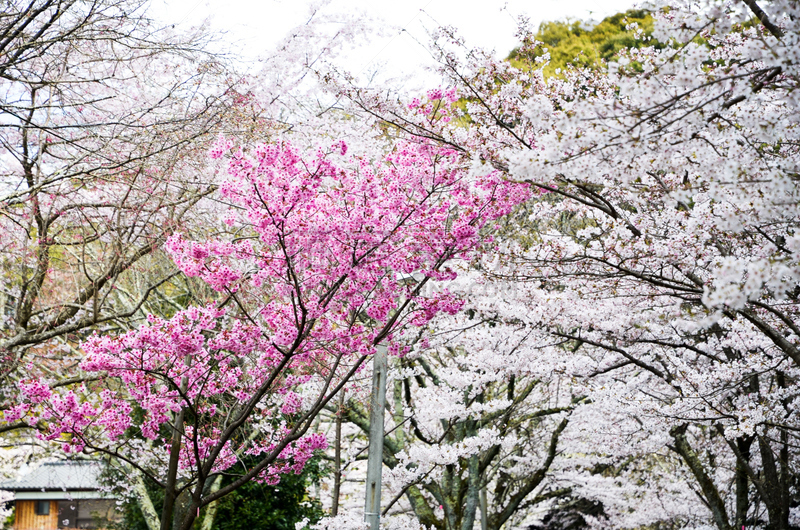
x: 59, y: 495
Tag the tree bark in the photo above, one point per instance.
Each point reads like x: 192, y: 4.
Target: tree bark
x: 211, y: 510
x: 473, y: 494
x: 143, y: 500
x: 742, y: 483
x: 174, y: 457
x: 776, y: 497
x: 710, y: 492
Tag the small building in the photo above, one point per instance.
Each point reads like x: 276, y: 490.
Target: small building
x: 63, y: 494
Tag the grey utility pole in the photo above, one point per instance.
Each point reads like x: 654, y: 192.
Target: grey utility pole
x: 377, y: 404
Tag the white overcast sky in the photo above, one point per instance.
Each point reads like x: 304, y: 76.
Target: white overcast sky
x: 253, y: 26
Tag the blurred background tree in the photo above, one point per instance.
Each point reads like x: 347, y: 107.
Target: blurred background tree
x: 584, y: 44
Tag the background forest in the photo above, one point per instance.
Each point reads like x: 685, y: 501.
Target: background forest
x: 583, y: 260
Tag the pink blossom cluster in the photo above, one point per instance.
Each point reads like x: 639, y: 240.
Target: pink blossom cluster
x: 319, y: 272
x: 317, y: 225
x: 440, y: 104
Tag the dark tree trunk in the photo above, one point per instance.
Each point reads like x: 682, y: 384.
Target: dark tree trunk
x: 742, y: 482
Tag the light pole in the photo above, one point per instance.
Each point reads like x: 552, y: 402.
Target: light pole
x: 377, y: 405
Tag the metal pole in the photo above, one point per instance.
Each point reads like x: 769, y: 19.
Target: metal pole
x: 377, y: 404
x: 337, y: 457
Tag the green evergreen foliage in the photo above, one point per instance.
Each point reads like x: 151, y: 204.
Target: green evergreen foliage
x: 576, y: 43
x: 257, y: 506
x: 254, y: 506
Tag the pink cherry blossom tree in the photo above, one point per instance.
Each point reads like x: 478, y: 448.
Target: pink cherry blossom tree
x: 310, y: 284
